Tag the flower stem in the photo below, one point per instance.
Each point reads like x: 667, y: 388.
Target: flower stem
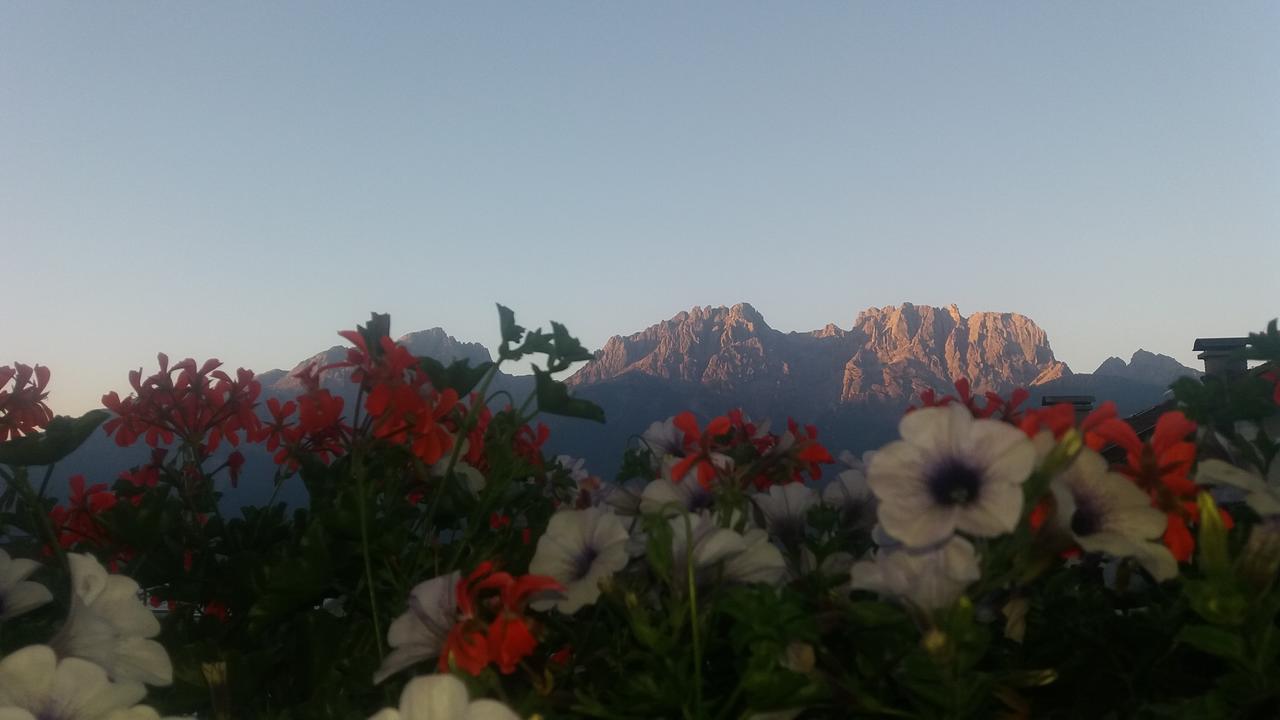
x: 693, y: 616
x: 362, y: 495
x: 429, y: 514
x: 38, y: 516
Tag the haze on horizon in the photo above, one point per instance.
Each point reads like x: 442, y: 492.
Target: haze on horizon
x: 242, y: 180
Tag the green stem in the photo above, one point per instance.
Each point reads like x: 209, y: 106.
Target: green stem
x: 693, y: 616
x: 38, y: 516
x: 44, y: 484
x: 429, y: 514
x: 362, y: 493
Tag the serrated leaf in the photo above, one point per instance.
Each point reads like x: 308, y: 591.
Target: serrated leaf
x: 511, y: 332
x: 554, y: 398
x: 567, y: 347
x: 458, y: 375
x: 59, y: 439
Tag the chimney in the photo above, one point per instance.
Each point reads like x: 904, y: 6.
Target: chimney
x: 1221, y: 356
x: 1083, y: 404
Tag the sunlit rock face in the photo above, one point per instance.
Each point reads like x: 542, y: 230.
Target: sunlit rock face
x: 889, y: 354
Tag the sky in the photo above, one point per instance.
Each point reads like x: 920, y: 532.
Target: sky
x: 243, y: 180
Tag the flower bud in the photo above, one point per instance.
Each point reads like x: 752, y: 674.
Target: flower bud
x: 934, y: 641
x: 799, y: 658
x: 1260, y: 560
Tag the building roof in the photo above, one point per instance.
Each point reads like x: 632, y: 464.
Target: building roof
x: 1221, y: 343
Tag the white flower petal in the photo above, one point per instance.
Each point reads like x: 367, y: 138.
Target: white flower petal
x: 23, y: 597
x: 27, y: 675
x: 434, y: 697
x: 109, y: 625
x: 995, y: 512
x: 15, y: 570
x: 760, y: 562
x: 490, y: 710
x: 418, y: 634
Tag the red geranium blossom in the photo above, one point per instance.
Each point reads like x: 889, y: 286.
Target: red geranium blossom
x: 507, y: 638
x: 200, y: 406
x: 22, y: 407
x: 1162, y: 468
x: 993, y: 407
x: 77, y: 521
x: 698, y: 445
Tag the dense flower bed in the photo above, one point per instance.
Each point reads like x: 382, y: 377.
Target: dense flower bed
x: 996, y: 560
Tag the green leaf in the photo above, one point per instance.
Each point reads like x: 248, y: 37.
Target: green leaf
x: 378, y: 327
x: 62, y: 436
x: 873, y: 613
x: 1214, y: 640
x: 459, y: 375
x: 554, y: 399
x: 567, y: 347
x: 511, y: 332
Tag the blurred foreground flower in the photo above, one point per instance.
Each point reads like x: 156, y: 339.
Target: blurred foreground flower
x: 36, y: 685
x: 18, y: 594
x: 930, y: 578
x: 443, y: 697
x: 1106, y: 513
x: 950, y: 472
x: 110, y: 626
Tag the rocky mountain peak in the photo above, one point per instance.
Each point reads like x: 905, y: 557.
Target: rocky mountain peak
x: 891, y: 353
x: 1146, y: 367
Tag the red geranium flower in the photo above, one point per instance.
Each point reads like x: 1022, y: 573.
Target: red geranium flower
x: 509, y: 636
x: 201, y: 406
x: 22, y: 407
x: 1162, y: 468
x: 699, y: 445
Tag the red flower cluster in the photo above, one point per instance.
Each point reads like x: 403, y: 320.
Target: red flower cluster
x: 77, y: 522
x: 774, y: 458
x: 22, y: 407
x: 492, y: 626
x: 200, y: 406
x: 1162, y: 468
x: 404, y: 406
x: 318, y: 429
x: 994, y: 406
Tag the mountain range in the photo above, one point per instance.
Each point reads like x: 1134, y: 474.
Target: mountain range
x: 853, y: 382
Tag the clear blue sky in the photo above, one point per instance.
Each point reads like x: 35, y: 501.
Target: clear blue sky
x: 242, y: 180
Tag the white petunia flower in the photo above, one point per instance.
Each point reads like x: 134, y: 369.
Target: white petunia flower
x: 833, y: 565
x: 18, y: 594
x: 1106, y: 513
x: 579, y: 549
x: 785, y: 508
x: 443, y: 697
x: 950, y: 472
x: 36, y: 685
x: 930, y: 579
x: 664, y: 438
x: 109, y: 625
x: 419, y: 633
x: 664, y: 497
x: 1261, y: 494
x: 698, y: 537
x: 759, y: 561
x: 850, y: 495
